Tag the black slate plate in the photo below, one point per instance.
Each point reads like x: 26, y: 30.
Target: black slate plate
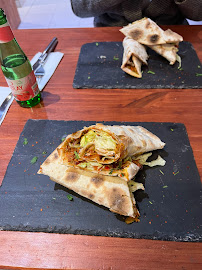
x: 99, y: 67
x: 170, y: 207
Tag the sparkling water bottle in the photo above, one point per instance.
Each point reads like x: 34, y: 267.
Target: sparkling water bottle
x: 16, y: 67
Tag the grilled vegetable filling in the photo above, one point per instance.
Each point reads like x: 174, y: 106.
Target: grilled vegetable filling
x: 94, y: 148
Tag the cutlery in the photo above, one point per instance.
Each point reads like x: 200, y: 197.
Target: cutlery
x: 51, y: 46
x: 38, y: 69
x: 4, y: 104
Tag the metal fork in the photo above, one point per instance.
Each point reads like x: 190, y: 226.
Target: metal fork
x: 39, y: 72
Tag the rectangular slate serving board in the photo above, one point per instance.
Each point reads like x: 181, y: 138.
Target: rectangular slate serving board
x: 170, y: 206
x: 99, y: 67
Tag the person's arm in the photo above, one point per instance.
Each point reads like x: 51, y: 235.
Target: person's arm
x: 92, y: 8
x: 191, y: 9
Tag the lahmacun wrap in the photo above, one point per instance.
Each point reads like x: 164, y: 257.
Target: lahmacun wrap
x: 134, y: 56
x: 168, y: 51
x: 111, y: 192
x: 108, y: 150
x: 99, y: 162
x: 148, y: 33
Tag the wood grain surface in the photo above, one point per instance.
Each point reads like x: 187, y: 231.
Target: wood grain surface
x: 20, y: 250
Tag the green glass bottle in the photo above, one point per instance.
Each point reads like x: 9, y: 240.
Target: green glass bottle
x: 16, y: 67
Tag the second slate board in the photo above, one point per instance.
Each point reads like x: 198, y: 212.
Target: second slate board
x: 99, y: 67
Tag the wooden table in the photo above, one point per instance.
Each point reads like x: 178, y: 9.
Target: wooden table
x: 61, y: 102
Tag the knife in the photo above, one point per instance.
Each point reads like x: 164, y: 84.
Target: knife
x: 4, y: 105
x: 51, y: 46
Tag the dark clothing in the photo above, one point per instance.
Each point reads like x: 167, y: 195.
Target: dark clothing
x: 121, y: 13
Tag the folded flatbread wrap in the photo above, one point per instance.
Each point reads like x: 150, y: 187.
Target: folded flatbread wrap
x: 141, y: 139
x: 108, y: 150
x: 111, y: 192
x: 172, y: 37
x: 134, y: 56
x: 147, y: 32
x: 93, y: 144
x: 168, y: 51
x: 109, y: 189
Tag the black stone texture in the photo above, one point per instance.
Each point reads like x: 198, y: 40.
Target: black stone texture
x: 170, y: 206
x: 99, y: 67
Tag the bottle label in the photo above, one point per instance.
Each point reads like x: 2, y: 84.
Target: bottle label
x: 24, y: 88
x: 6, y: 33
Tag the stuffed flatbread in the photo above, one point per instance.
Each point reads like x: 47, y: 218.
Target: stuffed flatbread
x: 147, y: 32
x: 110, y: 189
x: 108, y: 150
x: 111, y: 192
x: 168, y: 51
x: 133, y: 57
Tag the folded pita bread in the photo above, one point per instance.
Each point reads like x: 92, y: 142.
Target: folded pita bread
x: 172, y: 37
x: 133, y: 57
x: 147, y: 32
x: 141, y: 139
x: 111, y: 192
x: 168, y: 51
x: 86, y: 149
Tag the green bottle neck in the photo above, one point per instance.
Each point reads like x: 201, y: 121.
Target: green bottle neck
x: 3, y: 19
x: 11, y: 47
